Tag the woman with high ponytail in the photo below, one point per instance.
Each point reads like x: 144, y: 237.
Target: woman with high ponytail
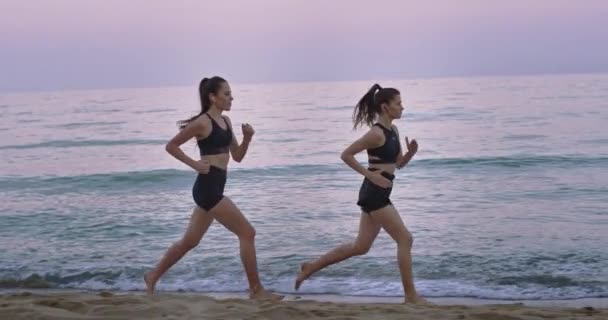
x: 204, y: 88
x: 217, y: 143
x: 376, y: 109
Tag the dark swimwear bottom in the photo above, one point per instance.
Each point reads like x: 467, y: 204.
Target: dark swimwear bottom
x: 372, y: 197
x: 208, y: 189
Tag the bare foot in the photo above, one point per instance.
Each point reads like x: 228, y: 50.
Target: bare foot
x: 262, y: 294
x: 149, y: 284
x: 418, y: 300
x: 305, y: 272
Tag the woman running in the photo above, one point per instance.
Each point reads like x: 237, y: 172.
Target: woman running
x: 377, y: 109
x: 216, y: 141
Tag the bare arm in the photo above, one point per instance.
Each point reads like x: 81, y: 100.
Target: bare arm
x: 190, y: 131
x: 237, y: 151
x: 412, y: 148
x: 372, y: 139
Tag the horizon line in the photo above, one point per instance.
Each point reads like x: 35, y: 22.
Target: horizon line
x: 275, y: 82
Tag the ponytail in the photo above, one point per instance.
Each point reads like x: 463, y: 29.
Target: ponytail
x: 205, y: 87
x: 366, y: 110
x: 368, y: 107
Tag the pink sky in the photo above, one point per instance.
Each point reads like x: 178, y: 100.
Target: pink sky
x: 57, y: 44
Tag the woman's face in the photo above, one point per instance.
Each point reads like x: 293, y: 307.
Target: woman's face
x: 223, y: 98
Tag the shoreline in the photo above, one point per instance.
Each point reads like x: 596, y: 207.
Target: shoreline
x: 72, y: 304
x: 598, y: 303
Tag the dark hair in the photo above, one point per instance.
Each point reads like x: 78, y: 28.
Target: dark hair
x: 207, y: 86
x: 369, y: 106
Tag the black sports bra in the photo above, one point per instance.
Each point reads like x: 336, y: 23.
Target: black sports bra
x: 389, y: 151
x: 218, y: 141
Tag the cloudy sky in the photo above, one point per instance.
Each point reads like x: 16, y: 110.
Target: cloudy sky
x: 75, y: 44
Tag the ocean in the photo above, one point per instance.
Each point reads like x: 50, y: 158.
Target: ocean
x: 506, y: 198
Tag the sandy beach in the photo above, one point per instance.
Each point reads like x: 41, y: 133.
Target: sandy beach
x: 106, y: 305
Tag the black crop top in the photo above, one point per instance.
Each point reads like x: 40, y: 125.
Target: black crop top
x: 218, y: 141
x: 389, y: 151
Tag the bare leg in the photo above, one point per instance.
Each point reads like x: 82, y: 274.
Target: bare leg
x: 391, y: 222
x: 199, y: 223
x: 231, y: 217
x: 368, y: 231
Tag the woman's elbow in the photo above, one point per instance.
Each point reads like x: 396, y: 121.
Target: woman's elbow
x: 345, y: 156
x: 170, y: 147
x: 237, y: 158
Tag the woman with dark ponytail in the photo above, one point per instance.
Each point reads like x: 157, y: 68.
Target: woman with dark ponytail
x: 216, y: 141
x: 377, y: 109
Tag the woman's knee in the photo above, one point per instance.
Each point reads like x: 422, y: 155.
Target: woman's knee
x: 406, y: 239
x: 361, y: 249
x: 248, y: 233
x: 188, y: 243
